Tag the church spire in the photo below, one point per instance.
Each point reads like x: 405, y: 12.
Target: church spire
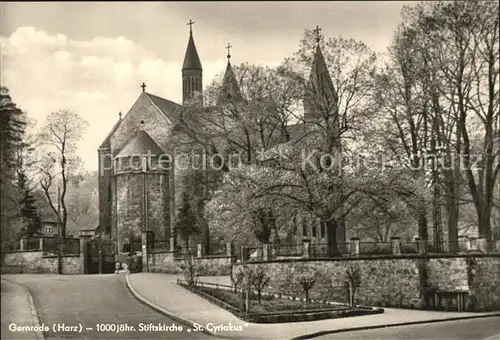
x: 321, y: 96
x: 230, y: 90
x: 191, y: 69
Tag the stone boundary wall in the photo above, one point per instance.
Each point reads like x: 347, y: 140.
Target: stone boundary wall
x: 168, y: 262
x: 25, y: 262
x: 392, y: 281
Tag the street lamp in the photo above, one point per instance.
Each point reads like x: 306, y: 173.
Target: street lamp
x: 432, y: 154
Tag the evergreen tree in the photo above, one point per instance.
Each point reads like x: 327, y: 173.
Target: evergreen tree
x: 12, y: 126
x: 11, y: 134
x: 186, y: 219
x: 28, y: 206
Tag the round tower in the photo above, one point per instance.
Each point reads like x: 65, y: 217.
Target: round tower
x: 142, y: 196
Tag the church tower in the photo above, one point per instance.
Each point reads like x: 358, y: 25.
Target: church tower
x: 230, y: 90
x: 321, y: 103
x: 191, y: 69
x: 321, y: 99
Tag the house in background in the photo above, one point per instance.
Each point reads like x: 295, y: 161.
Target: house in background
x: 49, y: 228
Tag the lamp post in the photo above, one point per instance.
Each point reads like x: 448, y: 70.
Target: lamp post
x: 59, y: 231
x: 432, y: 154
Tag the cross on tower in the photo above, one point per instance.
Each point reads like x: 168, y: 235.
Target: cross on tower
x: 190, y: 24
x: 316, y: 31
x: 228, y: 48
x: 143, y: 87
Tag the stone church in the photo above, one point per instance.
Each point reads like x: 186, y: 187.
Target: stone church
x: 135, y: 194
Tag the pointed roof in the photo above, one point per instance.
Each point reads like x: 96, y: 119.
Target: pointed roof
x: 229, y: 88
x: 140, y: 144
x: 319, y: 79
x: 106, y: 143
x: 169, y: 108
x: 191, y: 58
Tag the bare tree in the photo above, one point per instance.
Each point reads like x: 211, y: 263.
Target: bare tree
x: 60, y: 134
x: 353, y: 280
x: 458, y: 45
x: 260, y: 282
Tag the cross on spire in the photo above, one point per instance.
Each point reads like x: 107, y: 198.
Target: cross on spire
x: 190, y: 24
x: 317, y: 32
x: 143, y: 87
x: 228, y: 48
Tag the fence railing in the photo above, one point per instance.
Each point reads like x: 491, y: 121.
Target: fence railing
x: 375, y: 248
x: 409, y: 248
x: 183, y: 250
x: 69, y: 246
x: 461, y: 246
x: 216, y: 249
x: 49, y: 245
x: 287, y: 250
x: 159, y: 244
x: 328, y: 250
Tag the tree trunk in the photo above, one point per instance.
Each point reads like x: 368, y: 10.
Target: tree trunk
x: 351, y: 294
x: 452, y: 180
x: 422, y: 222
x: 331, y: 234
x: 484, y: 222
x: 453, y: 214
x: 247, y: 300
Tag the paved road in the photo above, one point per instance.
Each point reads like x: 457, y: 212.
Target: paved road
x: 91, y: 300
x: 471, y: 329
x: 15, y: 309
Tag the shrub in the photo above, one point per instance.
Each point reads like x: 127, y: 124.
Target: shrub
x: 190, y: 269
x: 306, y: 278
x: 246, y: 275
x: 352, y: 280
x: 260, y: 281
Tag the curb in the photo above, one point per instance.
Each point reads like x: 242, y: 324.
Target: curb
x: 314, y: 335
x: 34, y: 316
x: 165, y: 312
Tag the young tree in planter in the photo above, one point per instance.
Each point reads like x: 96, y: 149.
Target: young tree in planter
x: 246, y: 276
x: 307, y: 279
x: 190, y: 269
x: 353, y: 280
x: 236, y: 278
x: 260, y: 281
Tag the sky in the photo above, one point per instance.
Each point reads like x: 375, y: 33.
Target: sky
x: 92, y: 57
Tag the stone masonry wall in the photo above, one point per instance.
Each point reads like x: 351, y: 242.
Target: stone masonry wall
x: 392, y: 281
x: 36, y: 262
x: 485, y: 282
x: 207, y: 266
x: 447, y: 273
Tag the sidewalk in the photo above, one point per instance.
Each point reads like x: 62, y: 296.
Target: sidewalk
x: 17, y: 308
x: 162, y: 292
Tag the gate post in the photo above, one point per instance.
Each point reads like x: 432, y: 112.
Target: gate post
x: 144, y: 252
x: 101, y: 258
x: 83, y: 256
